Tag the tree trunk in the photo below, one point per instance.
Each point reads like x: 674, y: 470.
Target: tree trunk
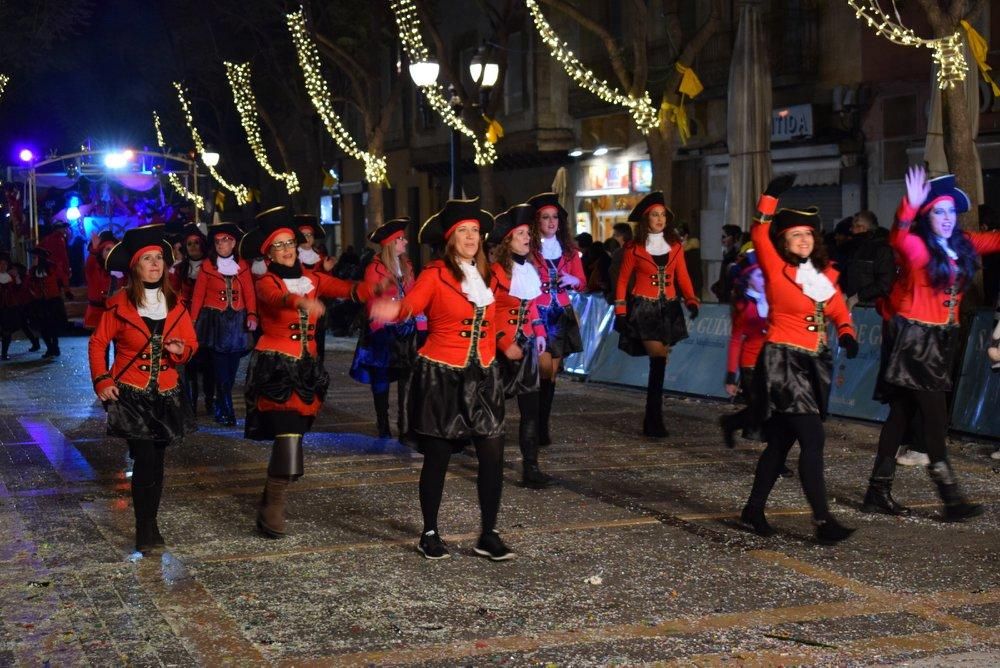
x: 375, y: 209
x: 487, y: 189
x: 959, y: 147
x: 662, y: 146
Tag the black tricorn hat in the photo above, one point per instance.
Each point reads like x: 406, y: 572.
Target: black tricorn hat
x: 312, y: 222
x: 107, y: 236
x: 192, y: 230
x: 388, y: 230
x: 786, y: 219
x: 438, y: 227
x: 945, y: 186
x: 652, y: 199
x: 134, y: 240
x: 267, y: 223
x: 510, y: 220
x: 542, y: 200
x: 232, y: 229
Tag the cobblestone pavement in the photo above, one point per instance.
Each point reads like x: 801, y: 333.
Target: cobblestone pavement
x: 634, y: 557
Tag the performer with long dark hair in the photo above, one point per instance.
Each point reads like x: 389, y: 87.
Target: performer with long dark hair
x: 520, y: 332
x: 224, y: 309
x: 286, y: 384
x: 385, y: 352
x: 152, y: 335
x: 648, y: 315
x: 557, y: 260
x: 455, y: 393
x: 792, y: 377
x: 937, y: 261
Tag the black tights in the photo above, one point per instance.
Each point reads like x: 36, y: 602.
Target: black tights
x: 489, y: 482
x: 782, y: 432
x: 926, y: 411
x: 148, y: 457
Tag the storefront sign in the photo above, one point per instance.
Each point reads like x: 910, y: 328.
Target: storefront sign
x: 641, y: 175
x: 604, y: 178
x: 794, y: 122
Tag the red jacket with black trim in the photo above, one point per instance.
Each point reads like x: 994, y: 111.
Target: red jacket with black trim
x: 651, y: 280
x: 213, y: 290
x: 288, y: 330
x: 748, y: 335
x: 459, y: 333
x: 55, y: 244
x: 123, y: 325
x: 513, y: 314
x: 378, y: 277
x: 913, y: 296
x: 98, y: 285
x: 182, y: 285
x: 568, y: 264
x: 795, y: 319
x: 50, y: 286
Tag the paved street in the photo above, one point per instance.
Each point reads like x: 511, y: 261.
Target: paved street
x: 635, y: 557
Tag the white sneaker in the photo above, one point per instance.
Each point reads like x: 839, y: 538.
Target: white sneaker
x: 913, y: 458
x: 995, y: 455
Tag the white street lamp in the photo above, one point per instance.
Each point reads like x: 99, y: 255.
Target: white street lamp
x: 210, y: 157
x: 484, y: 71
x: 425, y: 72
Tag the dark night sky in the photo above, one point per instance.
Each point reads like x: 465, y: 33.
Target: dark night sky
x: 105, y: 84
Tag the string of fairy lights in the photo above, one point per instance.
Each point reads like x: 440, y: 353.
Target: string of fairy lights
x: 644, y: 114
x: 246, y: 104
x: 319, y: 94
x: 4, y: 80
x: 175, y: 181
x: 242, y: 193
x: 951, y: 62
x: 408, y: 22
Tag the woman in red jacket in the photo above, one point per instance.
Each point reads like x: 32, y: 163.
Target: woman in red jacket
x: 183, y: 277
x: 455, y: 393
x: 152, y: 335
x: 47, y: 282
x: 98, y: 278
x: 520, y: 332
x: 557, y: 260
x: 10, y: 319
x: 285, y: 384
x: 224, y: 309
x: 648, y: 316
x: 792, y: 377
x: 937, y: 262
x: 385, y: 352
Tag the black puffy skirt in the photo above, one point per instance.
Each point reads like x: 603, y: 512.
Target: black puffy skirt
x: 652, y: 320
x: 223, y: 331
x: 275, y: 377
x: 386, y: 353
x: 10, y: 319
x: 790, y: 380
x: 520, y: 376
x: 48, y: 312
x: 562, y: 330
x: 453, y: 404
x: 917, y: 356
x: 150, y: 415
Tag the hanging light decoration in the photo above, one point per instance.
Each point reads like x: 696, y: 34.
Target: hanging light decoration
x: 319, y: 94
x: 175, y: 181
x: 246, y: 105
x: 644, y: 114
x: 242, y: 193
x: 408, y: 22
x: 952, y: 65
x: 4, y: 80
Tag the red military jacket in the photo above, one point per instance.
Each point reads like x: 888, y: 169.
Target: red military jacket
x: 651, y: 280
x: 55, y: 244
x: 213, y: 290
x: 50, y: 286
x: 379, y: 277
x: 513, y: 314
x: 747, y: 337
x: 913, y: 296
x: 182, y: 285
x: 10, y: 292
x: 98, y: 285
x: 794, y: 319
x: 285, y: 328
x: 460, y: 334
x: 136, y: 362
x: 568, y: 264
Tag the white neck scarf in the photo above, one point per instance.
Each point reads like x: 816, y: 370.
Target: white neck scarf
x: 308, y: 256
x: 155, y: 306
x: 194, y: 268
x: 473, y: 286
x: 259, y: 267
x: 228, y: 266
x: 299, y: 286
x: 5, y: 278
x: 815, y: 285
x: 760, y: 300
x: 524, y: 281
x: 656, y: 244
x: 551, y: 249
x: 946, y: 246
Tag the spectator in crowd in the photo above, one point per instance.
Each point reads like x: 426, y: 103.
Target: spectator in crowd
x: 836, y: 242
x: 868, y: 268
x: 731, y: 237
x: 621, y: 234
x: 692, y: 256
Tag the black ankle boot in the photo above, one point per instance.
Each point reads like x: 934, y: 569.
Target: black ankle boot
x: 956, y: 508
x: 829, y: 531
x: 726, y: 422
x: 753, y: 518
x: 382, y: 414
x: 652, y: 423
x: 878, y: 498
x: 142, y: 504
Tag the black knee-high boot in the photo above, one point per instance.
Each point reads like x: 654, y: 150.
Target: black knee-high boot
x: 956, y: 507
x: 4, y: 347
x: 528, y: 440
x: 546, y: 393
x: 382, y: 413
x: 652, y: 424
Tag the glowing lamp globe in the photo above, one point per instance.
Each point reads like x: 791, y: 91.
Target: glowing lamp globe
x: 26, y: 155
x: 425, y: 72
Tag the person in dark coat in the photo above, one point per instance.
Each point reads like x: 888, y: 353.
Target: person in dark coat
x: 868, y: 268
x: 731, y: 237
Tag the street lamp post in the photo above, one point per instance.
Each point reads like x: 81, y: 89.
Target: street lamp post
x: 457, y: 192
x: 211, y: 159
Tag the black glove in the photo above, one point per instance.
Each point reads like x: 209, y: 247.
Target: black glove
x: 730, y: 378
x: 779, y: 185
x: 849, y: 344
x: 692, y: 310
x: 621, y: 324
